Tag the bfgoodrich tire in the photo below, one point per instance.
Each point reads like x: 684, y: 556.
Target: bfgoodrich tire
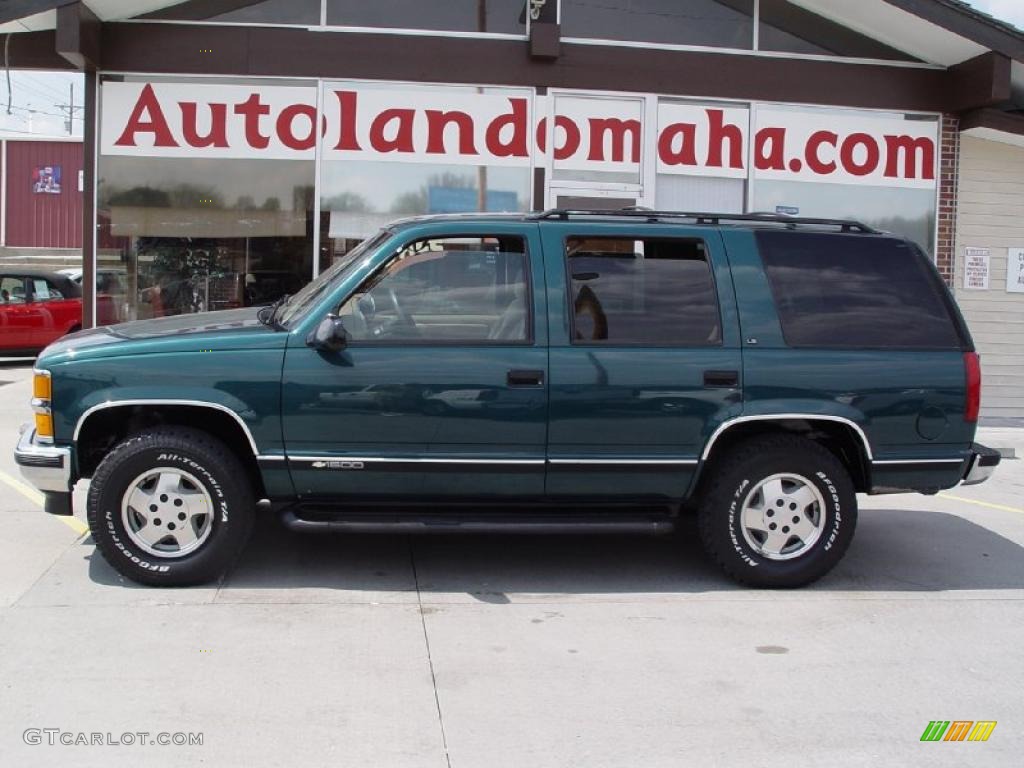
x: 779, y: 511
x: 170, y: 507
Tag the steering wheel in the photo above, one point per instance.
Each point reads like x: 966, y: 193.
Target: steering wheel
x: 403, y: 317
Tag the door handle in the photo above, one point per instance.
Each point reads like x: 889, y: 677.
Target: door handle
x: 726, y: 379
x: 526, y: 378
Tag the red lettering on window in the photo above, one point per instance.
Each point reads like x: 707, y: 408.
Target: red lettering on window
x: 253, y: 109
x: 770, y: 149
x: 438, y: 121
x: 401, y: 141
x: 686, y: 154
x: 286, y: 126
x: 850, y: 165
x: 718, y: 133
x: 148, y: 105
x: 813, y: 153
x: 618, y: 129
x: 516, y: 119
x: 912, y: 149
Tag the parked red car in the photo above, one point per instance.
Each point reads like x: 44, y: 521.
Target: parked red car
x: 36, y: 308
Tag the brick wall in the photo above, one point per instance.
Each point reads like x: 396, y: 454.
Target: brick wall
x: 949, y: 171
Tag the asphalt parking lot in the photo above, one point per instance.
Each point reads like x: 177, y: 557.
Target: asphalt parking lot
x: 517, y: 651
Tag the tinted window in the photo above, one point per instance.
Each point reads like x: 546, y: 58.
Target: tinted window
x: 507, y: 16
x: 445, y: 290
x: 855, y: 291
x: 718, y: 23
x: 653, y: 292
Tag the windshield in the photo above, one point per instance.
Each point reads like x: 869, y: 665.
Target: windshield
x: 305, y: 298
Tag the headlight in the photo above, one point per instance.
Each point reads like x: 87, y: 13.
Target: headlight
x: 42, y: 396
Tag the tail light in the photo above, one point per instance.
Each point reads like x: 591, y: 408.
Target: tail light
x: 972, y: 402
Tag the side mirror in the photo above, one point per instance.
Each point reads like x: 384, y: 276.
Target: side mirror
x: 329, y: 336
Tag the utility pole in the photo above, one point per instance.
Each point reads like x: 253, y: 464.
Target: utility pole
x: 69, y: 109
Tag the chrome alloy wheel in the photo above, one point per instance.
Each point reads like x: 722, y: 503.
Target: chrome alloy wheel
x: 167, y: 512
x: 783, y: 516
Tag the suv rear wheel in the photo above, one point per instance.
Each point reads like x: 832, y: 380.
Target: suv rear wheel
x: 170, y: 507
x: 779, y: 511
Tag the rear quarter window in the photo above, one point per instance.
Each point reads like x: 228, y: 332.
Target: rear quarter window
x: 855, y: 292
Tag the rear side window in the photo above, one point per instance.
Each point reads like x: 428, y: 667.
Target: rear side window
x: 653, y: 292
x: 855, y: 292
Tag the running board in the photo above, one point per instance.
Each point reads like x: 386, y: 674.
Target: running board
x: 525, y: 523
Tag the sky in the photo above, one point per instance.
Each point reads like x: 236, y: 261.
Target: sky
x: 1007, y: 10
x: 37, y: 98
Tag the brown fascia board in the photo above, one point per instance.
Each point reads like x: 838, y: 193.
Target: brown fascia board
x: 983, y: 81
x: 994, y: 119
x: 35, y: 50
x: 78, y: 35
x: 961, y: 19
x: 299, y: 53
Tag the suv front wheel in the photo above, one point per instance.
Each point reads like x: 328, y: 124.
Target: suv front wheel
x: 170, y: 507
x: 779, y: 511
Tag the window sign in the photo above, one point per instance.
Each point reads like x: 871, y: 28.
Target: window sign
x: 1015, y: 271
x: 976, y: 268
x: 590, y: 135
x: 46, y: 180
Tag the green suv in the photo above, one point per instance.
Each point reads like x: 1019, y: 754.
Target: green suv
x: 568, y: 369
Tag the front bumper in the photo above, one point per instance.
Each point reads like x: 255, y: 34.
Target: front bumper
x: 982, y: 464
x: 47, y: 467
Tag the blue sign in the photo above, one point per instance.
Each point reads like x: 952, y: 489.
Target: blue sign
x: 787, y: 210
x: 464, y: 200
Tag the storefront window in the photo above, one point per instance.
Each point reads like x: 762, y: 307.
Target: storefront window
x: 876, y: 168
x: 716, y: 23
x: 297, y: 12
x: 501, y: 16
x: 186, y: 234
x: 596, y: 139
x: 402, y: 162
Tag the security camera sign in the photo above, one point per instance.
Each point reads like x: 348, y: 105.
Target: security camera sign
x: 976, y: 268
x: 1015, y: 271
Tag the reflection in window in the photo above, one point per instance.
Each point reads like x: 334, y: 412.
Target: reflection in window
x: 466, y: 289
x: 359, y: 197
x: 787, y: 27
x: 192, y: 235
x: 652, y: 292
x: 503, y: 16
x: 907, y: 212
x: 855, y: 291
x: 717, y: 23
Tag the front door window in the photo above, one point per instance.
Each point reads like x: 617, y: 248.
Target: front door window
x: 457, y: 289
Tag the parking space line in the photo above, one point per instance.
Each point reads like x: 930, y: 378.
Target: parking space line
x: 36, y: 498
x: 1002, y: 507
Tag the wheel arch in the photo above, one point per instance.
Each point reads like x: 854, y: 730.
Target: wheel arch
x: 842, y: 436
x: 103, y: 425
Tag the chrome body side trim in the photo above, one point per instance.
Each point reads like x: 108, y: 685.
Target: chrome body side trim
x: 194, y: 403
x: 416, y: 460
x: 784, y: 417
x: 886, y: 462
x: 625, y: 462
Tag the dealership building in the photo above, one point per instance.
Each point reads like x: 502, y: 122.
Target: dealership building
x: 234, y: 149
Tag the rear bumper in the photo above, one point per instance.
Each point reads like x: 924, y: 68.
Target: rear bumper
x: 982, y: 464
x: 47, y: 467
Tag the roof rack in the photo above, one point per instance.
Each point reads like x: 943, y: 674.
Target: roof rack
x: 713, y: 219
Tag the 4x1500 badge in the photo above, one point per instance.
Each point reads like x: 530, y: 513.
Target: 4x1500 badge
x: 338, y: 465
